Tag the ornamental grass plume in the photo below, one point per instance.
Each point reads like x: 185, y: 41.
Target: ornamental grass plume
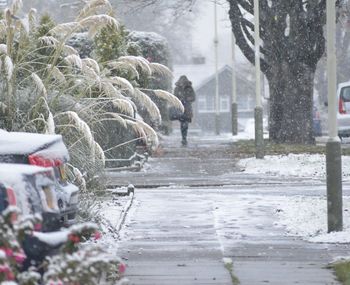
x: 41, y: 74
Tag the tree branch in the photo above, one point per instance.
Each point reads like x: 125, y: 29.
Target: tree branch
x: 237, y: 26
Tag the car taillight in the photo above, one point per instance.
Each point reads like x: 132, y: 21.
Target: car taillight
x: 44, y: 162
x: 342, y: 109
x: 11, y: 199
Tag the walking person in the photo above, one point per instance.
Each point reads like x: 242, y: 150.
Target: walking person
x: 185, y: 93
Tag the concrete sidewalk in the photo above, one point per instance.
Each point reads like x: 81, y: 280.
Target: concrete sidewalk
x: 179, y: 234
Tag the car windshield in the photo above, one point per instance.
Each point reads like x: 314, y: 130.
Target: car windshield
x: 345, y: 94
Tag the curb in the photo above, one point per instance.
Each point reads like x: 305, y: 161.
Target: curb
x: 124, y: 213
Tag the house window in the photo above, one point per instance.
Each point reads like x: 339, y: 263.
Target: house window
x: 210, y: 103
x: 202, y: 104
x: 225, y: 103
x: 206, y: 104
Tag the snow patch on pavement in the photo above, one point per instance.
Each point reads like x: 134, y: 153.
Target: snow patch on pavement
x: 306, y: 217
x: 296, y: 165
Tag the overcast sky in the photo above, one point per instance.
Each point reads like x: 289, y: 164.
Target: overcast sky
x: 203, y: 35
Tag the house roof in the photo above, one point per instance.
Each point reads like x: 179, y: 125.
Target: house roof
x: 196, y: 73
x: 202, y: 74
x: 223, y: 69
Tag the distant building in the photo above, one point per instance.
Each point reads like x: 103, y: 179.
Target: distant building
x: 204, y: 107
x: 3, y: 4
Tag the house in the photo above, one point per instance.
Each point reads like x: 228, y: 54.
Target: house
x: 204, y: 107
x: 3, y: 4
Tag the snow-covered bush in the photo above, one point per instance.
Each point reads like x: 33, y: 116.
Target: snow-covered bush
x: 156, y: 49
x: 87, y: 264
x: 80, y: 260
x: 12, y: 255
x: 82, y: 43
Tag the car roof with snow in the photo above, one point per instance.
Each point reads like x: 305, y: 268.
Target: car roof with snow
x: 20, y: 143
x: 343, y: 84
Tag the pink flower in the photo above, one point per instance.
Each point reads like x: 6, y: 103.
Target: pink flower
x: 55, y: 282
x: 8, y: 251
x: 4, y: 268
x: 19, y: 257
x: 97, y: 235
x: 121, y: 268
x: 37, y: 227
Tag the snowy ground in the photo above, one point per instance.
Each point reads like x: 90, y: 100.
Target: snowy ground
x: 109, y: 212
x: 295, y: 165
x: 303, y: 216
x: 307, y: 217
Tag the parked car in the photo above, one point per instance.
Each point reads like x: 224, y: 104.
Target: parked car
x: 7, y: 197
x: 31, y: 190
x: 44, y: 151
x: 343, y: 116
x: 316, y: 118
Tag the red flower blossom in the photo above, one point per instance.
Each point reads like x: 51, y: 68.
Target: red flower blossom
x: 37, y: 227
x: 121, y: 268
x: 97, y: 235
x: 10, y: 276
x: 74, y: 238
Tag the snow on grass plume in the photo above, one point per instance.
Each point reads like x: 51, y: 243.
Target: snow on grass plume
x: 91, y: 7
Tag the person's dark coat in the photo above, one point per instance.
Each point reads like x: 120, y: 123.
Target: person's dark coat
x: 185, y: 93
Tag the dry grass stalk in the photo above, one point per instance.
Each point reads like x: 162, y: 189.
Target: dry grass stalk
x: 150, y: 106
x: 39, y: 85
x: 170, y: 98
x: 91, y: 8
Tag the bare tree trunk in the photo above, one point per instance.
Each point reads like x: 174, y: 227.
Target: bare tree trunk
x: 291, y: 95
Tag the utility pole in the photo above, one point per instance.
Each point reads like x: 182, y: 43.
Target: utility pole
x: 217, y: 98
x: 234, y: 107
x: 333, y: 147
x: 258, y: 112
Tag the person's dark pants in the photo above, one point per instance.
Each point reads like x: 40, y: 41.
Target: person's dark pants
x: 184, y: 130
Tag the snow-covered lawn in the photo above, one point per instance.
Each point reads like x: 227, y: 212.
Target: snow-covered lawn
x: 306, y: 217
x: 109, y: 213
x: 303, y: 216
x: 296, y: 165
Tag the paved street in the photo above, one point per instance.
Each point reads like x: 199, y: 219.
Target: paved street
x: 194, y: 207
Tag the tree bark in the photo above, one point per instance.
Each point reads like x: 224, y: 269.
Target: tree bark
x: 291, y: 103
x: 292, y: 42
